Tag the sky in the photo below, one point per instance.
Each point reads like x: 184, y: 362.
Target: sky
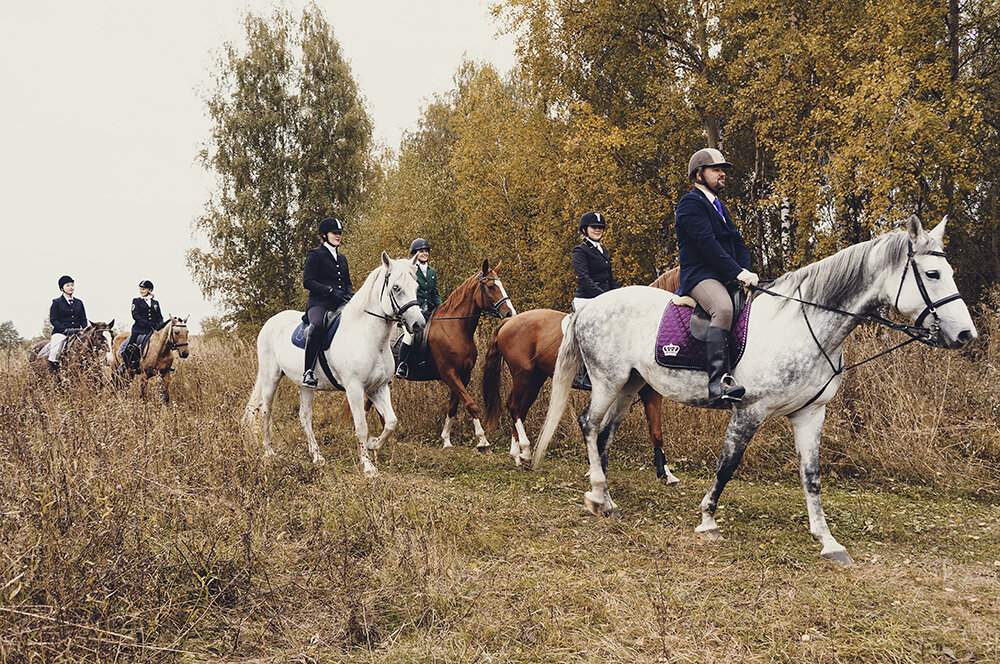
x: 102, y: 116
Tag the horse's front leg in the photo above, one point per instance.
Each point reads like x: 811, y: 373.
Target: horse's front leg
x: 449, y: 416
x: 598, y: 499
x: 383, y: 404
x: 307, y: 397
x: 356, y: 400
x: 459, y: 387
x: 165, y: 385
x: 652, y: 403
x: 523, y: 393
x: 742, y: 426
x: 807, y: 426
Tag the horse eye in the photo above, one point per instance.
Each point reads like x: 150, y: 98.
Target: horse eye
x: 933, y: 274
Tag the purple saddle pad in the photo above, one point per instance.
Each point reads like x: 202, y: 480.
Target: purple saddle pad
x: 678, y: 349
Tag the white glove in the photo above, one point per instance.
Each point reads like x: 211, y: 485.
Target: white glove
x: 747, y: 278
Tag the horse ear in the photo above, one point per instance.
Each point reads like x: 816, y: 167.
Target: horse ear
x: 486, y: 266
x: 185, y: 320
x: 111, y: 325
x: 496, y: 268
x: 938, y: 232
x: 914, y: 228
x: 413, y: 261
x: 385, y: 260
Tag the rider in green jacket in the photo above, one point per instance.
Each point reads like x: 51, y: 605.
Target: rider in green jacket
x: 427, y: 296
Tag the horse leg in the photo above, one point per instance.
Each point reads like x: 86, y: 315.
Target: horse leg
x: 523, y: 393
x: 307, y: 397
x: 356, y: 400
x: 597, y: 500
x: 383, y: 405
x: 807, y: 426
x: 470, y: 405
x: 652, y: 403
x: 165, y: 387
x: 452, y: 411
x: 742, y: 426
x: 268, y: 388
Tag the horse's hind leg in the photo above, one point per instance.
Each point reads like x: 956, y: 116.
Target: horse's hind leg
x: 652, y: 403
x: 523, y: 393
x: 356, y: 400
x: 742, y: 426
x: 807, y: 425
x: 597, y: 500
x: 307, y: 397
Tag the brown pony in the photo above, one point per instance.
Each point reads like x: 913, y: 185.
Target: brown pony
x: 158, y: 357
x: 450, y: 342
x: 82, y: 355
x: 529, y: 343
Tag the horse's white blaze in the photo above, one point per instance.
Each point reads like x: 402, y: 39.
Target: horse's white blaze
x: 359, y: 358
x: 510, y: 302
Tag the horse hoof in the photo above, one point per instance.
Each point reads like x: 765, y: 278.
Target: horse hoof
x: 526, y: 464
x: 319, y: 461
x: 270, y: 453
x: 615, y: 513
x: 447, y: 443
x: 371, y: 473
x: 591, y: 506
x: 840, y: 556
x: 713, y: 535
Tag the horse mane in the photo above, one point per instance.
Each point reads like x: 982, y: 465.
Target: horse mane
x: 360, y: 299
x: 837, y: 279
x: 448, y: 305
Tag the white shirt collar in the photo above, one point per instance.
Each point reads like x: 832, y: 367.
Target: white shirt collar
x: 68, y: 298
x: 709, y: 195
x: 333, y: 249
x: 596, y: 245
x: 148, y: 298
x: 423, y: 267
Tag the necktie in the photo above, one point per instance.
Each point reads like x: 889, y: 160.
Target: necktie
x: 718, y: 206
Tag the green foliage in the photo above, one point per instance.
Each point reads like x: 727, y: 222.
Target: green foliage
x: 291, y: 144
x: 10, y: 339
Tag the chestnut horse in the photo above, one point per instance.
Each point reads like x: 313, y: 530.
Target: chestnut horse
x: 450, y: 342
x: 158, y: 356
x: 82, y: 355
x: 529, y: 343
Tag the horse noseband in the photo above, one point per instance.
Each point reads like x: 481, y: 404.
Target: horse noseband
x: 930, y: 307
x: 493, y: 308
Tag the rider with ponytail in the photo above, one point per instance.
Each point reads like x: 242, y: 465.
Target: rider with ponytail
x: 328, y: 280
x: 713, y: 257
x: 147, y: 317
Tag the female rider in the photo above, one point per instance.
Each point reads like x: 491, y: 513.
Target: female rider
x: 328, y: 280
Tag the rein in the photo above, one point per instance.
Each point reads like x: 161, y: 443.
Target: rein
x: 916, y: 332
x: 397, y: 309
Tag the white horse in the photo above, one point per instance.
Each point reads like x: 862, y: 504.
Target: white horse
x: 359, y: 357
x: 792, y: 364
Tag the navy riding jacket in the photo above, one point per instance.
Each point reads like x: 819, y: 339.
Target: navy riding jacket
x: 709, y: 246
x: 67, y: 317
x: 327, y: 280
x: 146, y: 318
x: 593, y: 270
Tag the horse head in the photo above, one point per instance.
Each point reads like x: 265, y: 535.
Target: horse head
x: 491, y: 296
x: 398, y: 297
x: 98, y: 336
x: 926, y: 292
x: 179, y: 335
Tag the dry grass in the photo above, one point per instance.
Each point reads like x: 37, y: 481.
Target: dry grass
x: 132, y: 531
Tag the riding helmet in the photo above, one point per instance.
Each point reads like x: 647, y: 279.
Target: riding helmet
x: 418, y: 244
x: 704, y: 158
x: 331, y: 225
x: 146, y: 283
x: 592, y: 219
x: 65, y: 279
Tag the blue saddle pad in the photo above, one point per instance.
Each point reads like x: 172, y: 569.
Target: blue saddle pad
x: 299, y: 334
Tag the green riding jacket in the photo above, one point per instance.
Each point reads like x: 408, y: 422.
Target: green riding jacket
x: 427, y: 289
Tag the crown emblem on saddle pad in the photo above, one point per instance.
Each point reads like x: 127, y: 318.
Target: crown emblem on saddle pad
x: 671, y: 350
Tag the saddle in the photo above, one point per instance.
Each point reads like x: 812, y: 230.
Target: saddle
x: 133, y: 357
x: 420, y: 365
x: 680, y: 340
x: 331, y: 321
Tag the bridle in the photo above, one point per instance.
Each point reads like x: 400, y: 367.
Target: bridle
x: 173, y: 343
x: 397, y: 308
x: 931, y: 307
x: 492, y: 309
x: 930, y: 336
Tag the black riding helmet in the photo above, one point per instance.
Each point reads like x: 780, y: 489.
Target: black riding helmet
x: 331, y: 225
x: 592, y: 219
x: 146, y: 283
x: 418, y: 244
x: 65, y: 279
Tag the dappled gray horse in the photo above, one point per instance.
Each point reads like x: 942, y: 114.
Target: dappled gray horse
x: 792, y: 364
x: 359, y: 357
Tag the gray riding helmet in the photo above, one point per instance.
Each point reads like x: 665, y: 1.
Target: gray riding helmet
x: 704, y: 158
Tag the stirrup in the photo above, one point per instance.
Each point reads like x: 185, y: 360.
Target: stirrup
x: 309, y: 378
x: 402, y: 370
x: 730, y: 390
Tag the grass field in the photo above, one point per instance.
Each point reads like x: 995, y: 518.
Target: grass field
x: 133, y: 531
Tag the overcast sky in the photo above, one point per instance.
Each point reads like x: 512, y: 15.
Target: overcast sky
x: 101, y: 116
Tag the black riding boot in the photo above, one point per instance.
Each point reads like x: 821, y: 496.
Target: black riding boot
x: 582, y: 379
x: 404, y: 353
x: 312, y: 352
x: 721, y: 387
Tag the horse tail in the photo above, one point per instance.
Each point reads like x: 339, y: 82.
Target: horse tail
x: 567, y: 365
x: 491, y: 381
